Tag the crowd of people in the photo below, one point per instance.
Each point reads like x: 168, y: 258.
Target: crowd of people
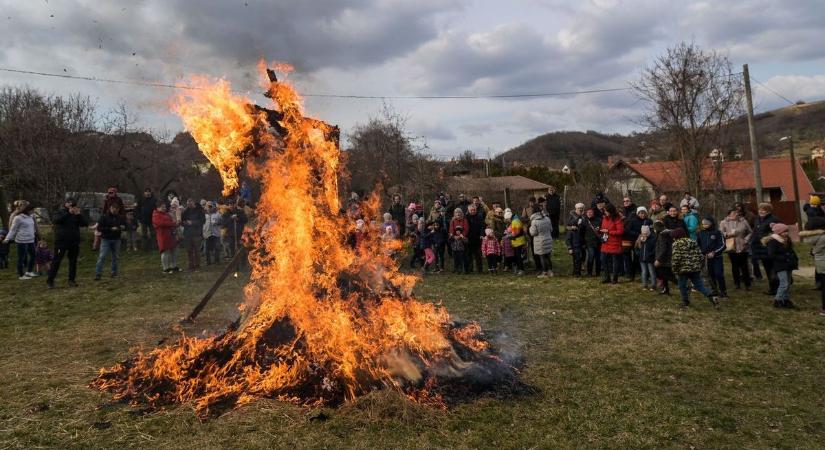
x: 663, y: 242
x: 209, y: 231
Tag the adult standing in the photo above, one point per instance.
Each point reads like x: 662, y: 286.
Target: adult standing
x: 541, y: 228
x: 628, y: 207
x: 553, y: 209
x: 592, y: 243
x: 475, y: 219
x: 575, y: 237
x: 23, y: 232
x: 212, y: 234
x: 192, y: 219
x: 165, y: 227
x: 672, y: 220
x: 525, y: 220
x: 397, y: 212
x: 145, y: 208
x: 690, y: 201
x: 612, y: 230
x: 113, y: 199
x: 110, y: 226
x: 665, y: 202
x: 759, y: 253
x: 67, y: 223
x: 736, y: 231
x: 234, y: 220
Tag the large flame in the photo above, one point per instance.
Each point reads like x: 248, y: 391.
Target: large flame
x: 324, y: 321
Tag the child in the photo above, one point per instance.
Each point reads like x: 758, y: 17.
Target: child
x: 662, y: 261
x: 687, y: 261
x: 43, y: 258
x: 458, y: 242
x: 4, y: 250
x: 785, y: 261
x: 712, y: 244
x: 491, y: 250
x: 646, y: 251
x: 130, y: 238
x: 507, y: 251
x: 439, y: 245
x: 426, y: 244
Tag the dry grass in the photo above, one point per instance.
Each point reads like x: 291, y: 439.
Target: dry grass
x: 616, y: 367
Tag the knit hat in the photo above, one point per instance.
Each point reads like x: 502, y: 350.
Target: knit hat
x: 508, y: 214
x: 641, y: 209
x: 779, y: 228
x: 678, y: 233
x: 645, y: 230
x: 579, y: 205
x: 815, y: 200
x: 488, y: 231
x: 707, y: 222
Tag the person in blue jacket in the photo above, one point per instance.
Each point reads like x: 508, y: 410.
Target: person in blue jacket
x: 712, y: 244
x: 691, y: 220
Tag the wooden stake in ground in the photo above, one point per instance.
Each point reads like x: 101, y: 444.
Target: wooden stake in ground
x: 230, y: 268
x: 757, y: 172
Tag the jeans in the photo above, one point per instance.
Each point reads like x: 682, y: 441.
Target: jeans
x: 611, y: 264
x: 107, y: 246
x: 630, y: 262
x: 25, y: 258
x: 716, y: 275
x: 459, y: 261
x: 648, y: 274
x: 61, y: 250
x: 545, y: 264
x: 169, y: 258
x: 592, y: 255
x: 696, y: 279
x: 739, y: 267
x: 577, y: 260
x: 440, y: 250
x: 784, y: 288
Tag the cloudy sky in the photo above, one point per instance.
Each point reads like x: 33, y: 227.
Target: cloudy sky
x: 412, y: 48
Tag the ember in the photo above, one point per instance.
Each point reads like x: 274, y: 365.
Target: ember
x: 322, y: 323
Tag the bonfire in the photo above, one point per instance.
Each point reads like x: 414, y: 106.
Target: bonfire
x: 322, y: 321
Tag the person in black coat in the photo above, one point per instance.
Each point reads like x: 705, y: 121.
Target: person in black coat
x: 145, y: 208
x: 192, y: 219
x: 553, y: 208
x: 476, y: 221
x: 672, y: 220
x: 66, y: 223
x: 759, y: 253
x: 396, y: 210
x: 110, y: 226
x: 783, y: 261
x: 575, y: 237
x: 635, y: 221
x: 712, y: 244
x: 664, y: 252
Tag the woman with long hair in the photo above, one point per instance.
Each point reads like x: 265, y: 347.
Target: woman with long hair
x: 611, y: 230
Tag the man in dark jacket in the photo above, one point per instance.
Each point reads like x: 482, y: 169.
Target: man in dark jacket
x: 474, y: 235
x: 233, y: 221
x: 628, y: 207
x: 145, y: 208
x: 66, y: 223
x: 110, y: 226
x: 397, y: 212
x: 635, y: 222
x: 712, y: 244
x: 192, y: 219
x: 762, y: 228
x: 553, y: 208
x: 575, y: 237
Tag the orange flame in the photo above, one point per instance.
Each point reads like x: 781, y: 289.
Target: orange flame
x: 324, y: 321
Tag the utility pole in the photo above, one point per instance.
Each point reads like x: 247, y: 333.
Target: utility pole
x: 793, y: 180
x: 757, y: 172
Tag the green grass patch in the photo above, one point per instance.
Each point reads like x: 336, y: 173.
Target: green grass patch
x: 616, y: 368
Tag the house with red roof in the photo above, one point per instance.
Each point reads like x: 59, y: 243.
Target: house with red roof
x: 732, y: 176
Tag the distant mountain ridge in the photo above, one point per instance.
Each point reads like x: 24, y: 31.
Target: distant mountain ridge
x: 804, y: 121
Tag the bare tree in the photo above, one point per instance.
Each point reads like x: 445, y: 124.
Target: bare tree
x: 692, y: 94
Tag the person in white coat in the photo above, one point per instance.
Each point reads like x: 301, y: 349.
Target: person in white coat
x: 23, y: 232
x: 541, y: 228
x: 212, y: 234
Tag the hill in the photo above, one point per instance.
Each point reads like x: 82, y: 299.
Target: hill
x: 805, y: 122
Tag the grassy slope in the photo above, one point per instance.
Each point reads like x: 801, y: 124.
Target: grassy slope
x: 616, y: 368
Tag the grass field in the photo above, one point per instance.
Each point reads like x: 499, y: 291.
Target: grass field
x: 616, y: 368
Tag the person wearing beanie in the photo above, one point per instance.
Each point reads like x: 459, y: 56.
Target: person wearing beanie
x: 66, y: 225
x: 712, y: 244
x: 491, y: 250
x: 784, y: 261
x: 575, y: 237
x: 759, y: 253
x: 687, y: 261
x: 645, y: 248
x: 515, y: 232
x: 814, y: 234
x: 814, y: 207
x: 632, y: 229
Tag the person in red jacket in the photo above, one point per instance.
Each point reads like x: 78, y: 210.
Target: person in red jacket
x: 165, y: 226
x: 612, y: 230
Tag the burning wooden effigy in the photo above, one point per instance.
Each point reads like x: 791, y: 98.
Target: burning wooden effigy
x: 322, y: 322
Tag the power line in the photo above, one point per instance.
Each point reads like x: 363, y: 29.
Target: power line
x: 774, y: 92
x: 341, y: 96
